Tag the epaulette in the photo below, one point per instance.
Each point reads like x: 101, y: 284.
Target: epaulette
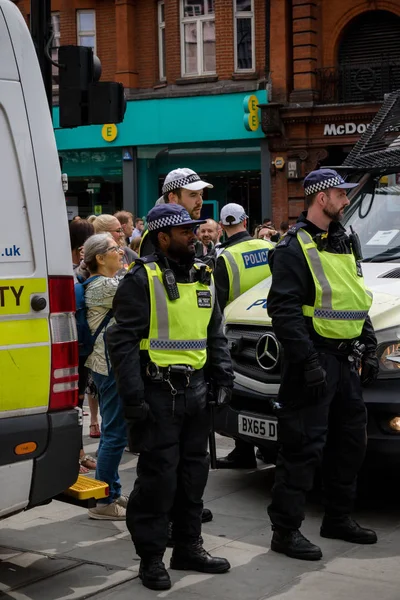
x: 141, y: 261
x: 290, y: 234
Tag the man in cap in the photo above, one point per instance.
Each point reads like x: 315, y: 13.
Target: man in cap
x: 319, y: 307
x: 184, y: 187
x: 168, y: 326
x: 242, y: 263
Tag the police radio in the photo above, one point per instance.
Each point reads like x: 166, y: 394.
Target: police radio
x: 169, y: 281
x: 355, y: 244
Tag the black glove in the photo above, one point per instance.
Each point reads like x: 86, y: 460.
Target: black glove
x: 137, y: 413
x: 223, y: 396
x: 138, y: 417
x: 369, y: 368
x: 314, y: 378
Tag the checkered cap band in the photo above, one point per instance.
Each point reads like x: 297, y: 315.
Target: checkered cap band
x: 180, y: 183
x: 323, y: 185
x: 169, y: 221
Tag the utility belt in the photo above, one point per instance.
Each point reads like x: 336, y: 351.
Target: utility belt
x: 173, y: 375
x: 351, y: 350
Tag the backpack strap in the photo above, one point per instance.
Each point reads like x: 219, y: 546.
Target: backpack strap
x: 102, y: 325
x: 108, y: 315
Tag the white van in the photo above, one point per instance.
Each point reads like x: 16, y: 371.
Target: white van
x: 40, y: 432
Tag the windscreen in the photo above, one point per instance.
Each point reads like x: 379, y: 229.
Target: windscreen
x: 374, y: 214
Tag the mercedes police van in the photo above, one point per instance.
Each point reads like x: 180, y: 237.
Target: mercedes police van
x: 40, y: 428
x: 374, y: 213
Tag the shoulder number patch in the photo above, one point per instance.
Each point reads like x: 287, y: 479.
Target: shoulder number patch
x: 203, y: 298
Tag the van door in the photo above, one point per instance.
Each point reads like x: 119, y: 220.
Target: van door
x: 24, y: 320
x: 24, y: 328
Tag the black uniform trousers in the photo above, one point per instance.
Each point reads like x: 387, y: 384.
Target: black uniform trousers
x: 173, y: 466
x: 331, y: 431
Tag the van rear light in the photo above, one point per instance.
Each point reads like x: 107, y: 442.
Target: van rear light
x: 64, y: 344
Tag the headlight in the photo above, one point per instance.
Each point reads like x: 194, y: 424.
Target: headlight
x: 394, y: 424
x: 389, y: 352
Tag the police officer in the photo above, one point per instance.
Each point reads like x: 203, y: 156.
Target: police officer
x: 184, y: 187
x: 319, y: 307
x: 168, y: 325
x: 242, y: 263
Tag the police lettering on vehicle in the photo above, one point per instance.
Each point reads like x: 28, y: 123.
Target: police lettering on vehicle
x: 10, y: 294
x: 260, y: 302
x: 255, y: 258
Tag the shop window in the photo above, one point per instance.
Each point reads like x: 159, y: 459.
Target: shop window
x: 198, y: 37
x: 161, y: 40
x: 244, y: 36
x: 86, y: 28
x: 55, y: 23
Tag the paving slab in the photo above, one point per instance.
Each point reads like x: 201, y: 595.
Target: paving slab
x: 378, y: 562
x: 327, y: 586
x: 77, y: 584
x: 50, y: 537
x: 25, y: 568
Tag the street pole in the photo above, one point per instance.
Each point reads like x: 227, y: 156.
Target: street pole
x: 41, y: 31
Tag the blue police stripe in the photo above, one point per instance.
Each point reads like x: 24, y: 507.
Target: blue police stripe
x: 255, y: 258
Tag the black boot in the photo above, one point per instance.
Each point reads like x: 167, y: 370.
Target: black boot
x: 345, y: 528
x: 241, y: 457
x: 294, y: 544
x: 206, y: 515
x: 153, y: 573
x: 193, y: 557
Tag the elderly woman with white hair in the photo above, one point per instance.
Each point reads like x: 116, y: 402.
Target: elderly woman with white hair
x: 103, y: 258
x: 110, y: 224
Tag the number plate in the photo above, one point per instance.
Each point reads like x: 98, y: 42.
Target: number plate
x: 259, y: 428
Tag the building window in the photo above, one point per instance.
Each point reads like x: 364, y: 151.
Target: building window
x: 86, y: 28
x: 244, y: 35
x: 198, y: 37
x: 161, y: 40
x: 55, y: 23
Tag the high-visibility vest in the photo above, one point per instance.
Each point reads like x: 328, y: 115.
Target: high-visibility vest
x: 246, y: 264
x: 342, y: 300
x: 178, y: 328
x: 142, y: 238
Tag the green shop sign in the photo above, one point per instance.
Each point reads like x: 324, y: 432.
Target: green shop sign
x: 172, y: 121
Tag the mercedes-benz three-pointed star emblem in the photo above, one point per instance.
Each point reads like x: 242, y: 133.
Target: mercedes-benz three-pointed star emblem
x: 267, y: 352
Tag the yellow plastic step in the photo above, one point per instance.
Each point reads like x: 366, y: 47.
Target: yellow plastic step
x: 86, y: 488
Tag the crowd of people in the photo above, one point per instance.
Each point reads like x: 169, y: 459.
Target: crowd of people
x: 161, y: 360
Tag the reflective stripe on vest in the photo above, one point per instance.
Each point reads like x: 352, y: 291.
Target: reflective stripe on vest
x: 342, y: 301
x: 178, y: 328
x: 247, y: 265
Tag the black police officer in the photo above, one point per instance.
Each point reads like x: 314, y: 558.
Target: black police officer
x: 319, y: 309
x: 167, y: 325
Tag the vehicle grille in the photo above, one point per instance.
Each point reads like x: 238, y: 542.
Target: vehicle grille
x: 394, y: 274
x: 243, y: 340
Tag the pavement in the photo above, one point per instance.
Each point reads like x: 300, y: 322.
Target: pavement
x: 56, y: 552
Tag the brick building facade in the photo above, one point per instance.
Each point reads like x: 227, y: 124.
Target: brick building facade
x: 127, y: 40
x: 187, y: 67
x: 331, y: 63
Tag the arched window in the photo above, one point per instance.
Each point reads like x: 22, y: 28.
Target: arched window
x: 369, y: 57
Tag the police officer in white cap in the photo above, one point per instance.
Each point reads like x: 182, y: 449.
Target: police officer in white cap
x: 242, y: 263
x: 168, y: 329
x: 184, y: 187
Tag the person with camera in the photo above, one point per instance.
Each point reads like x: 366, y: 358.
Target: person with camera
x: 319, y: 307
x: 168, y: 328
